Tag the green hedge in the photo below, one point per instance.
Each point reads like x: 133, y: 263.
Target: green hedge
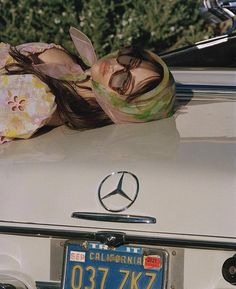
x: 156, y: 25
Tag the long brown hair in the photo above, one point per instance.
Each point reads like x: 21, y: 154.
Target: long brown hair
x: 74, y: 111
x: 150, y: 83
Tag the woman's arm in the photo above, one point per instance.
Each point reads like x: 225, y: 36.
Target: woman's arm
x: 56, y: 55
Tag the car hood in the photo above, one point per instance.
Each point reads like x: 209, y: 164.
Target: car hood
x: 185, y: 166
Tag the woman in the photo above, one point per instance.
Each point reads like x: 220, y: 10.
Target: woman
x: 42, y: 84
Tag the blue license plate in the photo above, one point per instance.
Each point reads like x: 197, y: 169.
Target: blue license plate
x: 96, y: 266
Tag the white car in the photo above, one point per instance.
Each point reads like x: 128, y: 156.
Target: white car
x: 147, y: 206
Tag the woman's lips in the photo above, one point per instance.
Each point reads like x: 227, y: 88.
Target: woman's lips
x: 104, y: 67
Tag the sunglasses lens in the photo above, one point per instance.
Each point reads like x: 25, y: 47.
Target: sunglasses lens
x: 125, y: 60
x: 129, y: 57
x: 120, y: 81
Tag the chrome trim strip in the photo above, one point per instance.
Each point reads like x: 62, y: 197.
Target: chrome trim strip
x: 48, y: 285
x: 206, y: 93
x: 208, y: 77
x: 66, y: 234
x: 206, y: 87
x: 118, y: 218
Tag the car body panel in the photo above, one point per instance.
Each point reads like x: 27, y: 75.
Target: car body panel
x: 185, y: 165
x: 185, y: 161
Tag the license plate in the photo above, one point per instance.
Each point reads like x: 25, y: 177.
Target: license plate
x: 96, y: 266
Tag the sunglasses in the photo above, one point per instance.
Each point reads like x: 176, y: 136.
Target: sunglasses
x: 121, y: 80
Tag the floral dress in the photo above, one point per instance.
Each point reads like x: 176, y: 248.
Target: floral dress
x: 26, y: 103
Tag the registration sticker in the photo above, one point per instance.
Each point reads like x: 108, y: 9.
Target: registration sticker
x: 77, y: 256
x: 92, y: 265
x: 152, y: 262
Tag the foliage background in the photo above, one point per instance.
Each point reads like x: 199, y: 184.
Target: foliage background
x: 159, y: 25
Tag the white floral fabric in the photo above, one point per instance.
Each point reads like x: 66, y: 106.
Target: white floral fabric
x: 26, y: 103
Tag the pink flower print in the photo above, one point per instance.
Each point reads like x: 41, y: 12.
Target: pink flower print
x: 17, y: 103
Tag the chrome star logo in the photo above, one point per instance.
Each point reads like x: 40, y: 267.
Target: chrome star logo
x: 118, y: 191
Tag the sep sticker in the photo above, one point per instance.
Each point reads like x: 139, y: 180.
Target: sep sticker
x: 77, y: 256
x: 152, y: 262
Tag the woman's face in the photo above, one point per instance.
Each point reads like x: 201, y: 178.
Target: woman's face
x: 111, y: 74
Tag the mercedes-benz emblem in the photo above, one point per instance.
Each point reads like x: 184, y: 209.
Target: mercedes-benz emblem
x: 118, y: 191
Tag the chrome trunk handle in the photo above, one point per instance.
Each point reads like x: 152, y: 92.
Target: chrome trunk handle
x: 118, y: 218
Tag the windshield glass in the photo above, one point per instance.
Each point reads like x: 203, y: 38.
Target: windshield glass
x: 216, y: 52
